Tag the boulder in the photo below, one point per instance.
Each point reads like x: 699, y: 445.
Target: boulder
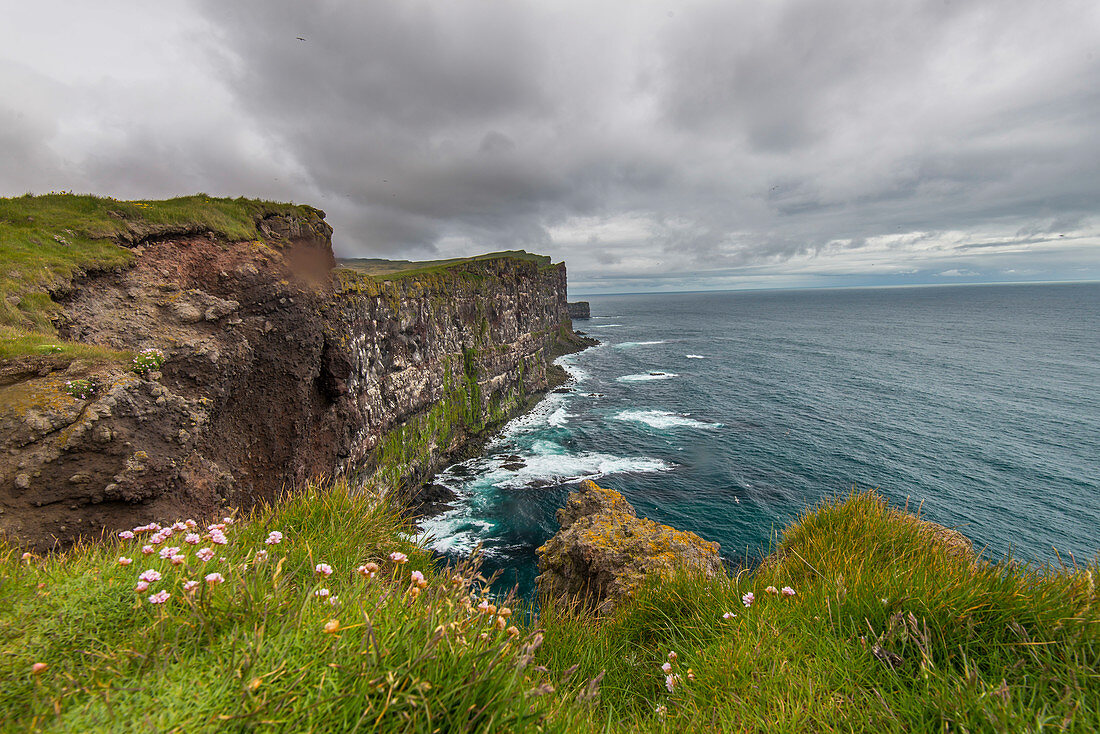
x: 604, y: 551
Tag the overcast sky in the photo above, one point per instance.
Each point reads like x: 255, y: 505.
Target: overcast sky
x: 652, y: 146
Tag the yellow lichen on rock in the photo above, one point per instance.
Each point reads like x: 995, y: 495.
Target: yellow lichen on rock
x: 604, y: 550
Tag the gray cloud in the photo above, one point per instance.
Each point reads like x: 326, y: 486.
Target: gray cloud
x: 705, y: 144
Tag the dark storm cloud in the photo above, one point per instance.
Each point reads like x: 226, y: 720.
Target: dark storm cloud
x: 692, y: 143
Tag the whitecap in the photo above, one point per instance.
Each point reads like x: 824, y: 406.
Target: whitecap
x: 551, y: 463
x: 558, y: 418
x: 646, y: 377
x: 604, y: 326
x: 628, y: 345
x: 663, y: 419
x: 694, y: 356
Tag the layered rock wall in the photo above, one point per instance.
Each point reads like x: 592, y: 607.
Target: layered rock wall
x: 277, y: 368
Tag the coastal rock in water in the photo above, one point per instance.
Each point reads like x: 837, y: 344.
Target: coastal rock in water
x: 604, y: 550
x: 579, y: 310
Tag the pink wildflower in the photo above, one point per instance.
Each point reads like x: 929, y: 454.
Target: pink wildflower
x: 214, y: 578
x: 728, y: 615
x: 484, y: 606
x: 321, y: 593
x: 189, y: 586
x: 192, y: 538
x: 218, y: 537
x: 418, y: 579
x: 261, y: 556
x: 398, y: 557
x: 205, y: 554
x: 368, y: 571
x: 215, y: 526
x: 141, y: 586
x: 168, y: 551
x: 124, y: 561
x: 671, y: 681
x: 38, y: 668
x: 334, y: 600
x: 772, y: 590
x: 178, y: 559
x: 672, y: 655
x: 191, y: 524
x: 27, y: 556
x: 227, y: 520
x: 160, y: 597
x: 179, y: 526
x: 748, y: 599
x: 126, y: 534
x: 274, y: 538
x: 788, y: 591
x: 150, y: 575
x: 323, y: 569
x: 661, y: 710
x: 667, y: 667
x: 146, y: 550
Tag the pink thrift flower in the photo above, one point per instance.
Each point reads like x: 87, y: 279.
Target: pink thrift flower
x: 126, y: 534
x: 191, y: 524
x: 218, y: 537
x: 772, y: 590
x: 160, y: 597
x: 216, y: 526
x: 417, y: 577
x: 667, y: 667
x: 398, y: 557
x: 141, y: 586
x: 367, y: 571
x: 27, y: 556
x: 671, y: 681
x: 261, y: 556
x: 323, y: 569
x: 38, y: 668
x: 146, y: 549
x: 178, y: 559
x: 274, y: 538
x: 321, y: 593
x: 728, y: 615
x: 788, y: 591
x: 150, y: 575
x: 168, y: 552
x: 748, y: 599
x: 192, y: 538
x: 179, y: 526
x: 189, y: 586
x: 334, y: 600
x: 672, y: 655
x: 124, y: 561
x: 214, y: 578
x: 484, y: 606
x: 205, y: 554
x: 227, y: 520
x: 166, y: 532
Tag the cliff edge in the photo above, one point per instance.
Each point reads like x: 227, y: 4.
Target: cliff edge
x: 276, y: 365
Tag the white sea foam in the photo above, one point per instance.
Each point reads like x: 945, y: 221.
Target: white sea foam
x: 628, y: 345
x: 550, y: 463
x: 604, y: 326
x: 663, y: 419
x: 694, y: 356
x: 646, y: 377
x: 558, y: 418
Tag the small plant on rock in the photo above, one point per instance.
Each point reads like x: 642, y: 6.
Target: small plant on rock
x: 148, y: 360
x: 80, y: 389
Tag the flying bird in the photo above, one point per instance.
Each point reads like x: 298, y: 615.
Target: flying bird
x: 300, y: 38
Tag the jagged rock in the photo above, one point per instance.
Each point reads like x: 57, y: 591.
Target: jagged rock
x: 579, y: 310
x: 604, y: 550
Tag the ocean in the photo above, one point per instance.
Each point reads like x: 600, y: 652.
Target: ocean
x: 729, y: 413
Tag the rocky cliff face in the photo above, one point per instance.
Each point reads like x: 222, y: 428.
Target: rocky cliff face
x: 277, y: 369
x: 604, y: 550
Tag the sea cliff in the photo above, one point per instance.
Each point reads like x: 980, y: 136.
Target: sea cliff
x: 277, y: 365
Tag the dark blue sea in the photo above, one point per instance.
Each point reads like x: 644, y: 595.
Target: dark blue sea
x: 728, y: 413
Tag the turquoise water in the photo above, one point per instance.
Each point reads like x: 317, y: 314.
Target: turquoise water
x: 728, y: 413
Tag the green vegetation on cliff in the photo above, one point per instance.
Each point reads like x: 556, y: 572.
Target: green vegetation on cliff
x: 893, y: 626
x: 48, y: 241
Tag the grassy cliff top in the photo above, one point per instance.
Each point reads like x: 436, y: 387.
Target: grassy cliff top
x: 889, y: 626
x: 47, y: 241
x: 393, y: 269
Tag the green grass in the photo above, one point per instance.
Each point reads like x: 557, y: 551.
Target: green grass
x: 47, y: 241
x: 398, y: 269
x: 889, y: 631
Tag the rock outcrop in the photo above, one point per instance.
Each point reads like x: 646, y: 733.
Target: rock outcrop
x: 604, y: 550
x: 277, y: 368
x: 580, y: 310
